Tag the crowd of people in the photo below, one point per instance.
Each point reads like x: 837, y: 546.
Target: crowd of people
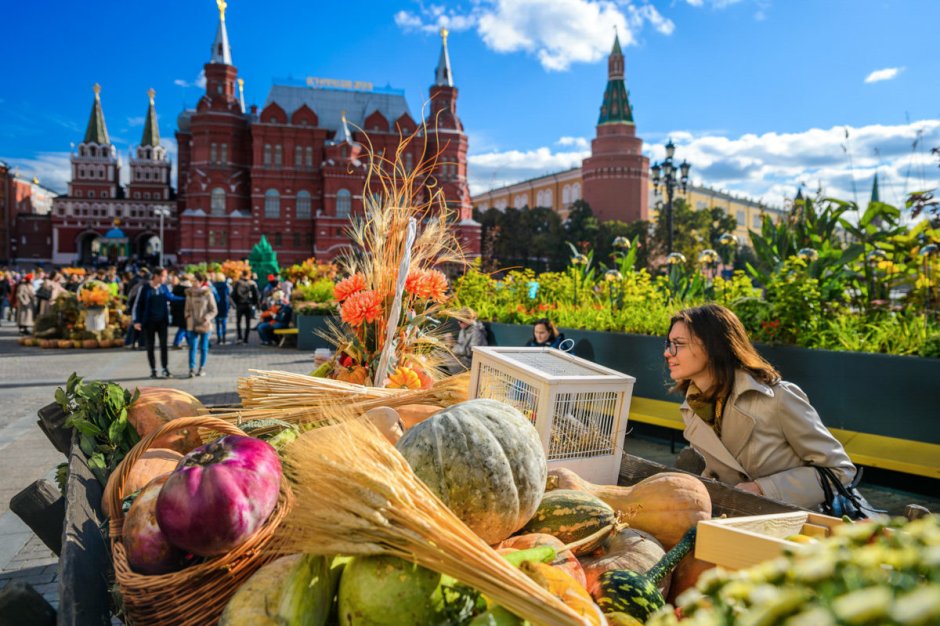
x: 197, y: 305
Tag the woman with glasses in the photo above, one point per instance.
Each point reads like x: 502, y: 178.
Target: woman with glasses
x: 754, y: 430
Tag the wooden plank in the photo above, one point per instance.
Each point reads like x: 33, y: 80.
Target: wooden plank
x: 42, y: 507
x: 52, y: 423
x: 84, y: 565
x: 736, y: 543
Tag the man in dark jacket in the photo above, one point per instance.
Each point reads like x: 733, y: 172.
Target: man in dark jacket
x: 151, y: 314
x: 245, y: 296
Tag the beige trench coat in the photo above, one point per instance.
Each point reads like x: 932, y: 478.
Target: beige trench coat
x: 200, y: 309
x: 770, y: 435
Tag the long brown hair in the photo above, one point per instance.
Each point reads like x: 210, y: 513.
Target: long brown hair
x: 728, y: 348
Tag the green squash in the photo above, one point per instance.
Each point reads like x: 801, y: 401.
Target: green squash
x: 638, y: 594
x: 484, y: 460
x: 571, y: 515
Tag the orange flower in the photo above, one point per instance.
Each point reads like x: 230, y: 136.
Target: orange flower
x: 352, y: 285
x: 404, y: 378
x: 362, y: 306
x: 428, y: 284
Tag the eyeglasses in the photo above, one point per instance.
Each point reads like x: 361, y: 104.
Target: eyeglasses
x: 672, y: 347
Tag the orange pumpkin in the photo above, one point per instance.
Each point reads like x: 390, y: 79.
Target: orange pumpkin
x: 65, y: 343
x: 413, y: 414
x: 90, y: 344
x: 357, y: 375
x: 686, y: 575
x: 152, y: 463
x: 155, y: 406
x: 566, y: 560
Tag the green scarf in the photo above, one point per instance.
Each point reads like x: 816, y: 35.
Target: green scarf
x: 710, y: 412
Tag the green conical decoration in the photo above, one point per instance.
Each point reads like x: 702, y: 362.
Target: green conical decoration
x: 875, y: 195
x: 263, y: 260
x: 616, y: 109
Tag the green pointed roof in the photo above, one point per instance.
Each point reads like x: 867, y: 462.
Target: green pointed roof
x: 151, y: 128
x: 616, y: 48
x: 96, y: 132
x: 875, y: 195
x: 616, y: 107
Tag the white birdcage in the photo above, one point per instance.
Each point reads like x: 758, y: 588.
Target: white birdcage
x: 579, y: 408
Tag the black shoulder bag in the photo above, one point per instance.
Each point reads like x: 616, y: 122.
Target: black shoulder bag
x: 844, y: 499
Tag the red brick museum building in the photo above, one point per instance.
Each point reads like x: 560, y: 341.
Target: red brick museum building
x: 294, y: 171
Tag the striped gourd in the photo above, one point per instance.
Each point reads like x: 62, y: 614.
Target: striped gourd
x: 637, y: 594
x: 571, y: 515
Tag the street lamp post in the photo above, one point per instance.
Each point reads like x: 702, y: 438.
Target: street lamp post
x: 161, y: 212
x: 666, y: 175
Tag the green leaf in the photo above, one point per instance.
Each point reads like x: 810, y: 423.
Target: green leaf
x: 87, y: 445
x: 86, y: 428
x: 116, y: 429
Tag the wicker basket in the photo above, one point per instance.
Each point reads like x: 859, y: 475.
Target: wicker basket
x: 198, y: 594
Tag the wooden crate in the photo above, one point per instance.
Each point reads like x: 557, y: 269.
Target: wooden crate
x: 738, y: 542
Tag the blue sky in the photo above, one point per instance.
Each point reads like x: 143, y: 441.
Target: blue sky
x: 758, y: 94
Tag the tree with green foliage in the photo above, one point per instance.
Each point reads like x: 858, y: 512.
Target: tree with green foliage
x: 693, y: 231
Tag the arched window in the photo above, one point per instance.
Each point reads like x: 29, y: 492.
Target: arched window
x: 213, y: 153
x: 409, y: 162
x: 278, y: 157
x: 309, y: 157
x: 218, y: 201
x: 576, y: 192
x: 298, y: 157
x: 547, y: 201
x: 272, y: 203
x: 343, y: 203
x: 566, y: 195
x: 303, y: 205
x: 224, y: 155
x: 267, y: 154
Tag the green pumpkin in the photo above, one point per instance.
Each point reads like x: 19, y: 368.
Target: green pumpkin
x: 484, y: 460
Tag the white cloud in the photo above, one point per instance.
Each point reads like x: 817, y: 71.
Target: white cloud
x: 558, y: 33
x: 496, y: 169
x: 768, y: 167
x: 200, y: 81
x: 887, y: 73
x: 53, y: 169
x: 135, y: 121
x: 578, y: 142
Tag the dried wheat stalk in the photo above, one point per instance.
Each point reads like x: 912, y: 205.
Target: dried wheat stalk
x: 357, y: 495
x: 284, y: 390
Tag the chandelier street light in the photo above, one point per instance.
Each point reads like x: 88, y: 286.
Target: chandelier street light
x: 666, y: 176
x: 161, y: 212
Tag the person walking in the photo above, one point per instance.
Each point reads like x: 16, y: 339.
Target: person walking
x: 152, y: 316
x: 245, y: 297
x: 222, y: 298
x: 5, y: 292
x: 179, y: 285
x: 25, y: 304
x: 133, y: 336
x: 200, y: 310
